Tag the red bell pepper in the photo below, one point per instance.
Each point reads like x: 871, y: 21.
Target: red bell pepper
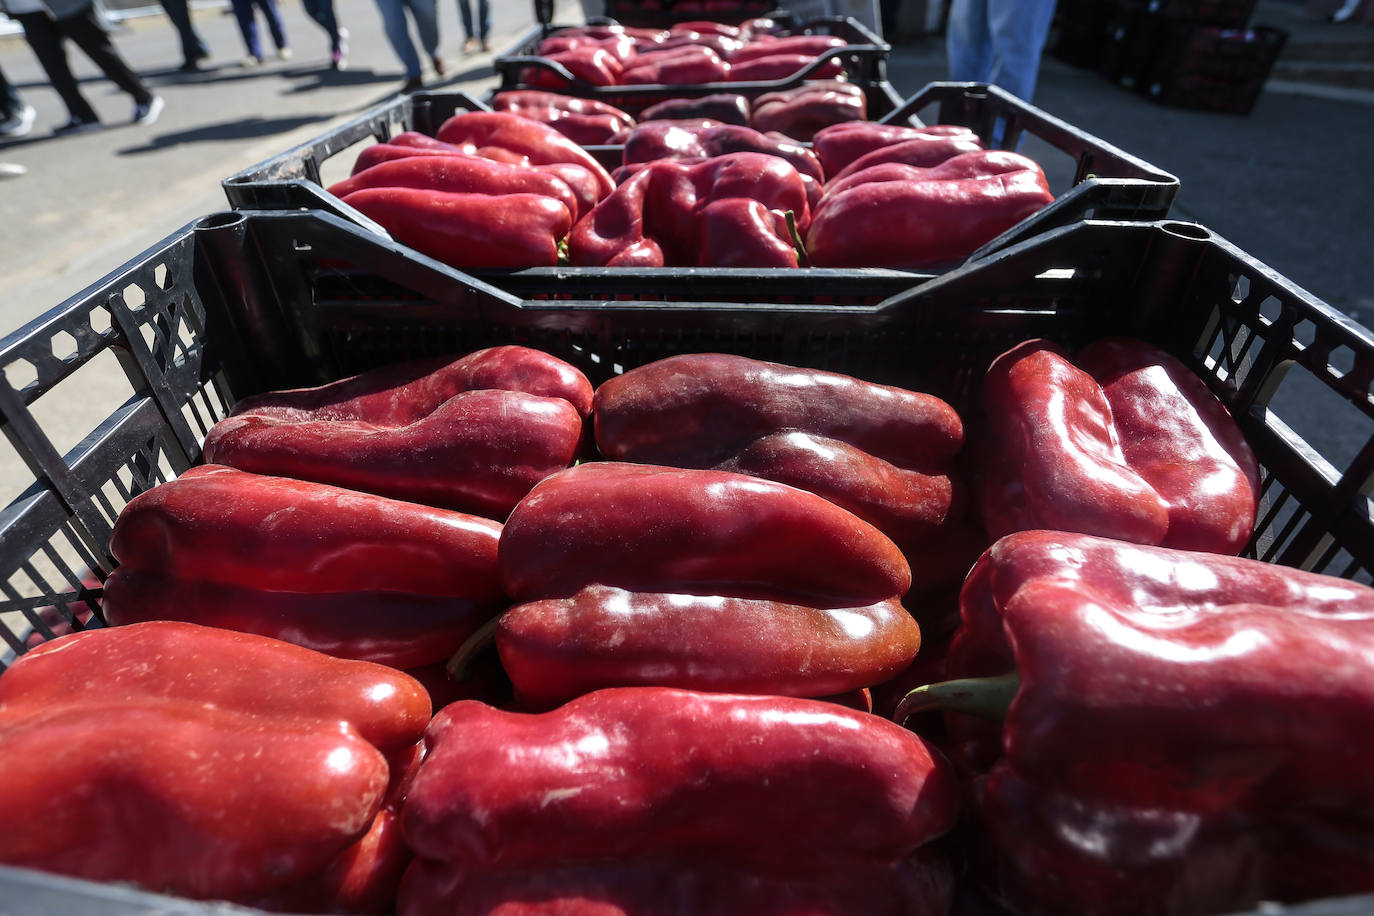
x: 808, y: 45
x: 679, y: 66
x: 201, y: 761
x: 1131, y: 445
x: 883, y: 453
x: 799, y: 113
x: 556, y: 649
x: 676, y: 140
x: 609, y: 30
x: 460, y: 174
x: 706, y: 27
x: 841, y: 144
x: 584, y: 121
x: 720, y: 107
x: 644, y: 771
x: 620, y: 46
x: 352, y: 574
x: 782, y: 66
x: 457, y: 434
x: 723, y: 45
x: 677, y: 213
x: 538, y: 143
x: 695, y: 531
x: 589, y: 64
x: 896, y: 215
x: 470, y: 230
x: 1183, y: 728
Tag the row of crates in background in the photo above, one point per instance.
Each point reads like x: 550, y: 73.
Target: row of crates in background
x: 1201, y: 55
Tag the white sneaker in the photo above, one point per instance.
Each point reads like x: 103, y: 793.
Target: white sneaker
x: 12, y: 170
x: 283, y: 54
x: 147, y: 113
x: 339, y: 59
x: 20, y: 124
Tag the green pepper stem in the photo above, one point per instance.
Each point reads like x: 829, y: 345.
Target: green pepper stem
x: 797, y: 243
x: 985, y: 697
x: 483, y: 638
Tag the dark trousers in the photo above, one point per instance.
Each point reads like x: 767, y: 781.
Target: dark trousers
x: 322, y: 11
x: 45, y: 35
x: 193, y: 47
x: 248, y: 24
x: 10, y: 102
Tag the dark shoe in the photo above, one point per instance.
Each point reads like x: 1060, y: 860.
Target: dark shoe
x: 76, y: 126
x: 190, y: 66
x: 413, y: 84
x: 20, y: 123
x: 439, y: 67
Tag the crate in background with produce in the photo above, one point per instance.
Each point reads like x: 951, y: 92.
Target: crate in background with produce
x: 695, y: 560
x: 704, y: 191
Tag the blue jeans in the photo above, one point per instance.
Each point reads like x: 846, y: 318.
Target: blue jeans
x: 998, y: 41
x: 397, y: 32
x: 483, y: 16
x: 248, y: 24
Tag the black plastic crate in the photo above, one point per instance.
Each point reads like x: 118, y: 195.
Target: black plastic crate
x: 1227, y: 13
x: 1130, y: 45
x: 663, y: 13
x: 1108, y: 183
x: 864, y: 60
x: 1214, y: 69
x: 237, y: 303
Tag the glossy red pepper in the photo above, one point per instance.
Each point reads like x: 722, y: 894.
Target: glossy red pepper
x: 721, y: 107
x: 808, y: 45
x: 556, y: 649
x: 644, y: 771
x: 678, y: 213
x: 841, y: 144
x: 348, y: 573
x: 781, y: 66
x: 723, y: 45
x: 200, y: 761
x: 1184, y: 728
x: 896, y: 215
x: 684, y: 65
x: 800, y: 112
x: 460, y: 174
x: 883, y: 453
x: 587, y: 63
x: 696, y: 532
x: 538, y: 143
x: 472, y: 434
x: 620, y: 45
x: 1124, y: 442
x: 470, y: 230
x: 676, y: 140
x: 584, y: 121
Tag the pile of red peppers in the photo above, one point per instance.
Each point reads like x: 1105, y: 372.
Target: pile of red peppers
x: 700, y: 597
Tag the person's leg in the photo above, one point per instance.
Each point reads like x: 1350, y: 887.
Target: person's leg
x: 483, y: 23
x: 274, y: 24
x: 86, y: 32
x: 193, y: 47
x: 43, y: 36
x: 393, y: 14
x: 426, y: 14
x: 248, y: 27
x: 322, y: 11
x: 1019, y: 29
x: 967, y: 41
x: 465, y: 14
x: 16, y: 118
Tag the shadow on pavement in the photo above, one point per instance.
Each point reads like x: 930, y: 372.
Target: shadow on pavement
x: 227, y: 130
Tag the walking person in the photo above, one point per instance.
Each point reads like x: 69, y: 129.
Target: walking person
x: 47, y: 26
x: 194, y: 50
x: 472, y: 36
x: 426, y: 16
x: 322, y: 11
x: 248, y: 28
